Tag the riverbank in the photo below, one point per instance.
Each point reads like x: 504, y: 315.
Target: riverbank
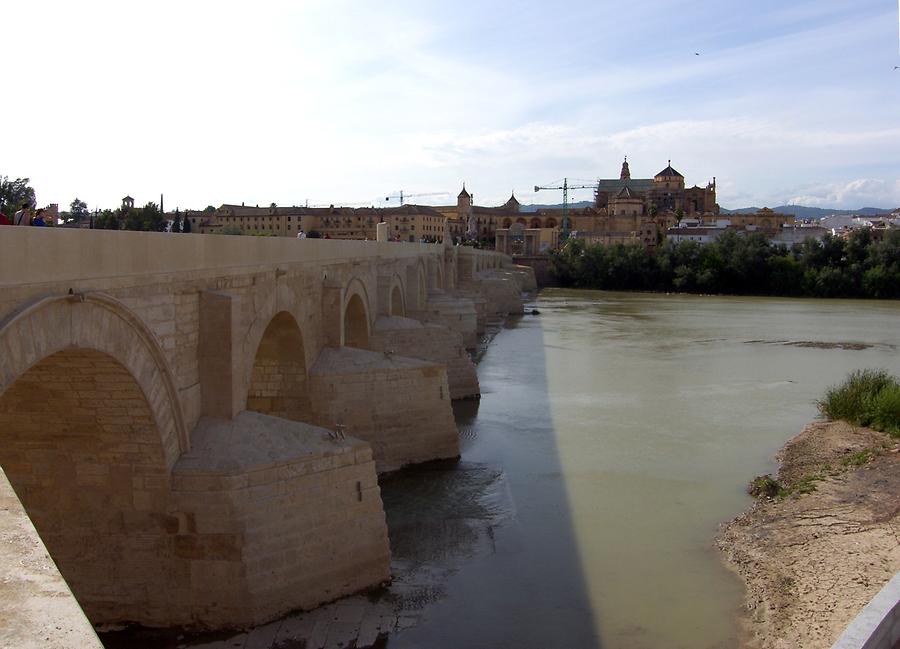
x: 813, y: 555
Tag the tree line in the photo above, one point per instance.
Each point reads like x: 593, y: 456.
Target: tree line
x: 149, y: 218
x: 735, y: 264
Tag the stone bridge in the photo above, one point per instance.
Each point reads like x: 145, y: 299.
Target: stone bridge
x: 194, y: 424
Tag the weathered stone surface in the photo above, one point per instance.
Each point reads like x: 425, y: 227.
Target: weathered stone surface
x: 37, y: 610
x: 456, y: 312
x: 431, y: 342
x: 282, y: 515
x: 117, y: 349
x: 400, y: 405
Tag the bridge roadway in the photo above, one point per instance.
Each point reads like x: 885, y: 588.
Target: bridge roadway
x: 194, y: 423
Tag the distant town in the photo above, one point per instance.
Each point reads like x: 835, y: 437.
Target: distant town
x: 647, y: 211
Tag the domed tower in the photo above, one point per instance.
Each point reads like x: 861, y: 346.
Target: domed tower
x: 626, y: 172
x: 668, y: 178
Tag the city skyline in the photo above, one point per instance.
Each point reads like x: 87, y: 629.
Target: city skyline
x: 338, y: 102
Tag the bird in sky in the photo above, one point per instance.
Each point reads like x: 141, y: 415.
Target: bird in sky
x: 696, y: 53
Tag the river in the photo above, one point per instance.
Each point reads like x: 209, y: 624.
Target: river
x: 615, y: 432
x: 626, y: 428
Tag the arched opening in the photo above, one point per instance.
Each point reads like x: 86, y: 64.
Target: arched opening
x: 356, y: 323
x: 278, y: 385
x: 422, y: 288
x: 507, y: 222
x: 82, y: 450
x: 397, y: 302
x: 535, y: 222
x: 520, y: 220
x: 551, y: 223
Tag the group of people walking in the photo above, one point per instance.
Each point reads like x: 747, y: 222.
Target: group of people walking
x: 24, y: 216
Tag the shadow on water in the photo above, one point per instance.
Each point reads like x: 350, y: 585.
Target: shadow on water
x: 493, y: 533
x: 483, y: 548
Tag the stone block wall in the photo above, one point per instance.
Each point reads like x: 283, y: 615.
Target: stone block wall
x: 524, y: 275
x: 274, y: 516
x: 401, y: 406
x: 37, y: 609
x: 501, y: 293
x: 91, y: 445
x: 457, y: 313
x: 81, y: 449
x: 429, y: 342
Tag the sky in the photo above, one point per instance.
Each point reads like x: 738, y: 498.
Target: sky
x: 348, y: 102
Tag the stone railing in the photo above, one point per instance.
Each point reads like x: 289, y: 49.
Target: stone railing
x: 878, y: 625
x: 34, y: 255
x: 37, y: 608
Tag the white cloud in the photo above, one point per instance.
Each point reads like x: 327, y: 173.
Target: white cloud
x: 864, y: 192
x: 341, y: 101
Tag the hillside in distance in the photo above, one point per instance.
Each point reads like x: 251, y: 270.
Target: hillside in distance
x: 804, y: 212
x: 799, y: 211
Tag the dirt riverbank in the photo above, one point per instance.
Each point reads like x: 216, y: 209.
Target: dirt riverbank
x: 815, y: 554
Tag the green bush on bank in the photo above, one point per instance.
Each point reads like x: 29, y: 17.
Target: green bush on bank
x: 865, y: 398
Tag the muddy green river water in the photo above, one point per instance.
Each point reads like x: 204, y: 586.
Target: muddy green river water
x: 624, y: 428
x: 614, y: 434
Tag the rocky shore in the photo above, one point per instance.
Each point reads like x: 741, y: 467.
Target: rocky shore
x: 824, y: 541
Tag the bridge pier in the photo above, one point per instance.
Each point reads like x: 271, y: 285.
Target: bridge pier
x: 457, y: 313
x: 430, y: 342
x: 399, y: 405
x: 273, y: 516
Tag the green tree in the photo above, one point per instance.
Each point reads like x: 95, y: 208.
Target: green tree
x: 107, y: 220
x: 144, y: 219
x: 13, y: 193
x: 78, y: 211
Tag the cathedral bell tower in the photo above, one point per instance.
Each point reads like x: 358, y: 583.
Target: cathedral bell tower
x: 626, y: 172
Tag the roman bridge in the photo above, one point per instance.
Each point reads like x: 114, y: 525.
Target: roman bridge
x: 194, y: 423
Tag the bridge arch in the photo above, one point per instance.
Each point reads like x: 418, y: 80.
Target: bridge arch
x: 278, y: 382
x: 397, y: 297
x: 355, y: 318
x: 417, y: 285
x: 89, y: 429
x: 101, y: 323
x: 436, y: 273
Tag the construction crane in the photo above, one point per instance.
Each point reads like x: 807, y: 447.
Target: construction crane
x: 565, y: 187
x: 402, y: 196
